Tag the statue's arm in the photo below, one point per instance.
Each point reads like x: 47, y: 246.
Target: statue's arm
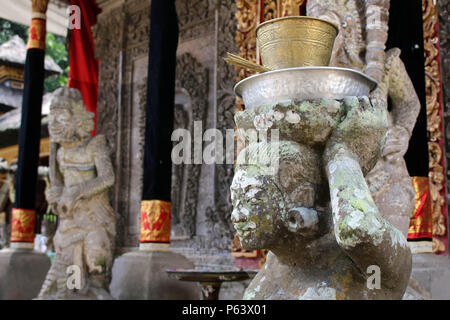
x: 105, y: 173
x: 53, y: 194
x: 405, y: 102
x: 359, y: 228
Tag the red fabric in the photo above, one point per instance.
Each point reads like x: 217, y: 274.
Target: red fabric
x: 83, y: 74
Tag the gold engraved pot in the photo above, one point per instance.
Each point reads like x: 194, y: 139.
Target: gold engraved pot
x: 290, y: 42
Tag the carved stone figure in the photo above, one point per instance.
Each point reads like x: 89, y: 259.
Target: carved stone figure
x: 80, y: 174
x: 360, y: 45
x: 315, y: 213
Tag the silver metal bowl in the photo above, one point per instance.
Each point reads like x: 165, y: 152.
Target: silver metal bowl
x: 303, y: 83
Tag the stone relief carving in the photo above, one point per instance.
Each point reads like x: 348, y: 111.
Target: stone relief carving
x: 108, y: 48
x: 192, y: 78
x: 181, y: 121
x: 356, y: 47
x: 195, y: 18
x: 317, y: 208
x: 81, y: 174
x: 220, y: 229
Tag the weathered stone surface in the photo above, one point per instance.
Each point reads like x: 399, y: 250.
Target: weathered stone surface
x: 314, y: 211
x: 22, y: 273
x: 312, y: 121
x: 141, y: 275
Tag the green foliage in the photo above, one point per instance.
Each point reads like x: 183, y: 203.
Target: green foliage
x: 55, y: 48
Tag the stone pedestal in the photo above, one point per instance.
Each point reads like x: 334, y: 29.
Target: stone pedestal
x: 141, y: 275
x: 22, y: 272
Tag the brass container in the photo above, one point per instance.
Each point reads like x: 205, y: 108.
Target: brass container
x: 291, y: 42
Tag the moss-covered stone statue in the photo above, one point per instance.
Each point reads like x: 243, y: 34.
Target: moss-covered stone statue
x: 327, y: 238
x: 81, y: 174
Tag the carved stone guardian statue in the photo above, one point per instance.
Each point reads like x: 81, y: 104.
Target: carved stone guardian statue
x: 315, y: 213
x: 81, y: 174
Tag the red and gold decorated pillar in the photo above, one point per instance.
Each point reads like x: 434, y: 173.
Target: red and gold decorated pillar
x: 22, y: 225
x: 24, y: 214
x: 155, y: 223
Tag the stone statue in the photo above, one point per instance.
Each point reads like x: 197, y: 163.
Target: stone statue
x: 360, y: 45
x: 80, y: 175
x: 326, y: 236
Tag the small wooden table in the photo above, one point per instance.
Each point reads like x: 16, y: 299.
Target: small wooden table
x: 210, y: 281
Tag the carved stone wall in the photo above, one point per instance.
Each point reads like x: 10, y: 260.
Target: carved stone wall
x: 192, y: 80
x: 121, y: 37
x: 195, y: 17
x: 222, y: 231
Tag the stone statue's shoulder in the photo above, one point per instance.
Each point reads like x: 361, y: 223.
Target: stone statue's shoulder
x: 98, y: 144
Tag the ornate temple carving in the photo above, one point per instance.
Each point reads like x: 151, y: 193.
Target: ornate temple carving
x: 247, y: 20
x: 291, y: 7
x: 195, y: 18
x: 434, y: 120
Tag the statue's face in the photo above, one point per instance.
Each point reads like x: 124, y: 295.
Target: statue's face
x: 258, y: 209
x: 61, y: 126
x: 264, y: 216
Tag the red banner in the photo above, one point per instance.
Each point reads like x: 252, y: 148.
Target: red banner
x: 83, y: 74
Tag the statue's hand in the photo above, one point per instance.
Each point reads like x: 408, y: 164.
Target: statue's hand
x: 68, y: 199
x: 362, y: 132
x: 397, y: 141
x: 53, y: 194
